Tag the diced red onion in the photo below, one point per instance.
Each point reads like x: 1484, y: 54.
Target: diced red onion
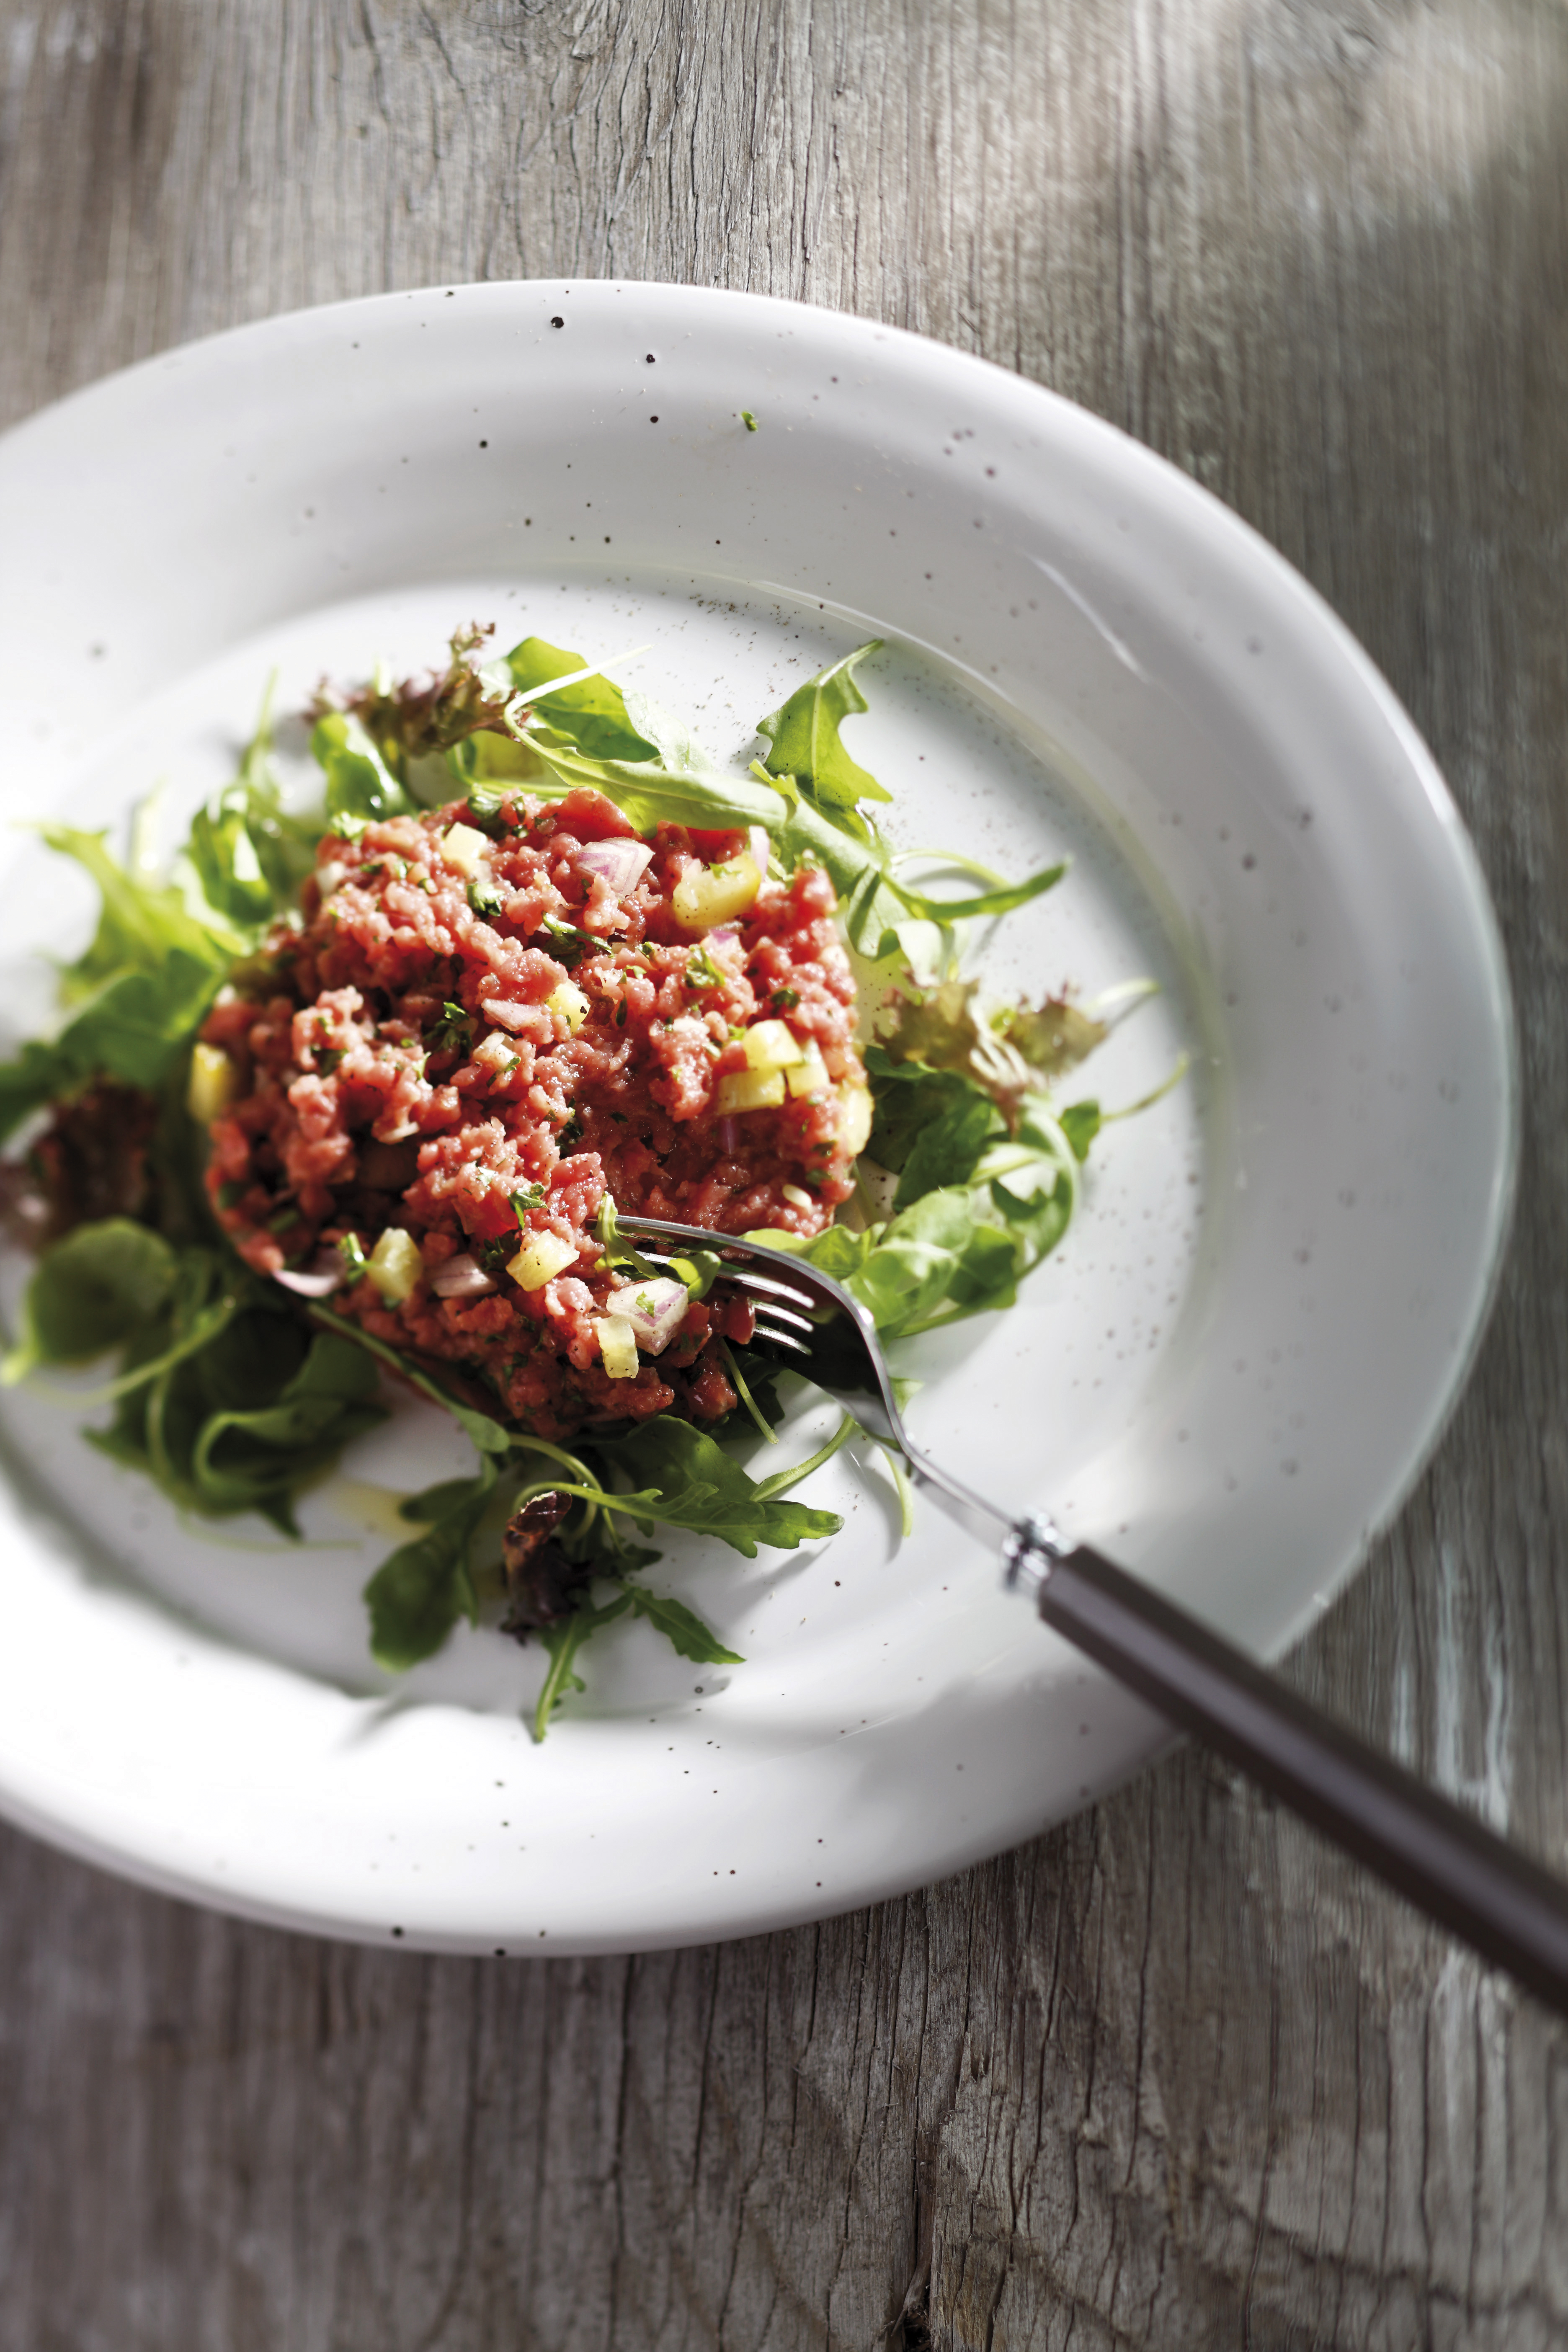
x: 319, y: 1280
x: 728, y: 1136
x: 461, y: 1277
x: 621, y: 864
x: 656, y: 1310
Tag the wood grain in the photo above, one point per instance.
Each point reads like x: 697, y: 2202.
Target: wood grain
x: 1175, y: 2076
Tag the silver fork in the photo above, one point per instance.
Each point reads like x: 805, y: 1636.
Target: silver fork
x: 1440, y: 1857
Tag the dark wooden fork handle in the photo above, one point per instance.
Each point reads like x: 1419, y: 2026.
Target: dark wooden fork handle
x: 1513, y: 1913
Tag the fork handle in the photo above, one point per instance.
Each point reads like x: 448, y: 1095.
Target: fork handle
x: 1440, y: 1857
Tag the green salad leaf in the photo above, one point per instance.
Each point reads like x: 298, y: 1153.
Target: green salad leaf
x: 247, y: 855
x: 140, y: 988
x: 140, y: 923
x: 417, y: 1595
x: 223, y: 1399
x: 960, y: 1249
x: 95, y: 1290
x: 562, y: 1643
x: 548, y: 762
x: 683, y: 1630
x: 162, y: 950
x: 137, y: 1030
x: 593, y: 734
x: 804, y: 742
x: 361, y: 787
x: 592, y: 715
x: 1081, y: 1123
x: 931, y: 1126
x: 486, y: 1433
x: 700, y: 1487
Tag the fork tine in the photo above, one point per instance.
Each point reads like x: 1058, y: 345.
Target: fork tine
x: 783, y: 1314
x: 766, y: 1290
x: 766, y: 1295
x: 781, y: 1339
x: 767, y: 1287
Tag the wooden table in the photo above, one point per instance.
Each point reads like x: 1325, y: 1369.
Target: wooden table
x: 1177, y: 2075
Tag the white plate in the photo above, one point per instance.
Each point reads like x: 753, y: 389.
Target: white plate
x: 1231, y: 1373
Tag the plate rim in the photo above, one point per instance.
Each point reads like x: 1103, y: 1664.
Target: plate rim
x: 1149, y: 466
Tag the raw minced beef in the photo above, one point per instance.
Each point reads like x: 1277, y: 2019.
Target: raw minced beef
x: 472, y: 1037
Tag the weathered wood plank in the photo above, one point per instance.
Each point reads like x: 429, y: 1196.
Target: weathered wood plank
x: 1175, y: 2076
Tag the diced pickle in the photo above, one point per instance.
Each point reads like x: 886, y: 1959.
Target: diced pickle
x: 617, y: 1346
x: 856, y: 1111
x: 466, y: 849
x: 215, y: 1082
x: 396, y: 1265
x: 748, y: 1090
x: 809, y: 1076
x: 540, y: 1260
x: 716, y: 894
x: 770, y: 1046
x: 569, y: 1001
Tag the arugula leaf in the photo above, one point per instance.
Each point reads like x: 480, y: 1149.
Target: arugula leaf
x: 837, y: 1250
x: 417, y: 1595
x: 141, y: 1025
x: 361, y: 787
x: 563, y: 1642
x: 433, y: 1503
x: 245, y: 856
x: 870, y: 909
x: 683, y: 1630
x: 650, y: 795
x: 1000, y: 901
x: 700, y: 1487
x: 593, y: 714
x: 674, y: 744
x: 963, y: 1251
x: 681, y: 1626
x: 547, y: 763
x: 242, y: 1410
x: 245, y: 1460
x: 1081, y: 1123
x: 804, y: 740
x: 960, y: 1249
x: 222, y: 856
x: 161, y: 950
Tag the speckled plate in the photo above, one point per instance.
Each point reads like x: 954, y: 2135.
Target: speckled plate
x: 1230, y: 1374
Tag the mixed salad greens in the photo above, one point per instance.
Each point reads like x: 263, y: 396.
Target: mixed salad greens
x: 233, y: 1395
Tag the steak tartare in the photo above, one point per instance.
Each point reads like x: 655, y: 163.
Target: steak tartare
x: 424, y: 1088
